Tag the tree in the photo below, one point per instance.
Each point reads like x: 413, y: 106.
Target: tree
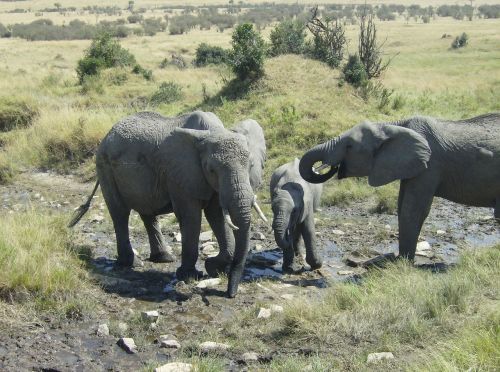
x: 369, y: 51
x: 247, y: 56
x: 288, y: 37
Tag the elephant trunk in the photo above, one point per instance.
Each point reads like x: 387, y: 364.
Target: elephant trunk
x: 281, y: 231
x: 329, y: 153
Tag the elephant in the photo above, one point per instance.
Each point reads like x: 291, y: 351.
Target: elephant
x: 157, y: 165
x: 294, y: 202
x: 455, y: 160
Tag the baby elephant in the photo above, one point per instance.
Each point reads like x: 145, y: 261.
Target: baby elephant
x: 294, y: 202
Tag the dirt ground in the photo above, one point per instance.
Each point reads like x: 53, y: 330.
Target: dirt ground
x: 54, y: 345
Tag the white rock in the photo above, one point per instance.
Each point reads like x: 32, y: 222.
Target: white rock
x: 175, y: 367
x: 346, y: 272
x: 258, y: 247
x: 102, y: 330
x: 206, y: 236
x: 258, y: 236
x: 376, y: 357
x: 264, y: 313
x: 178, y: 237
x: 424, y: 253
x: 440, y: 232
x: 482, y: 218
x: 250, y: 357
x: 276, y: 308
x: 287, y: 296
x: 150, y: 316
x: 128, y: 345
x: 170, y: 344
x: 338, y: 232
x: 387, y: 227
x: 423, y: 246
x: 208, y: 283
x: 208, y: 346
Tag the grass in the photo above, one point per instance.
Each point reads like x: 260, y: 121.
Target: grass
x: 40, y: 265
x: 448, y: 321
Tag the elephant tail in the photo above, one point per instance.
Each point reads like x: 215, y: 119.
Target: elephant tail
x: 82, y: 209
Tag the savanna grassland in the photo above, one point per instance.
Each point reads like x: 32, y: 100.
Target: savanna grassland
x: 446, y: 321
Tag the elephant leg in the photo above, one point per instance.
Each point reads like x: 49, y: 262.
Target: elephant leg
x: 160, y: 252
x: 309, y: 234
x: 189, y: 215
x: 224, y: 236
x: 291, y: 255
x: 497, y: 209
x: 414, y: 204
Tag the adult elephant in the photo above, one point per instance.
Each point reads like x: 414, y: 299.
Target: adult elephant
x: 455, y: 160
x: 294, y: 202
x: 187, y: 164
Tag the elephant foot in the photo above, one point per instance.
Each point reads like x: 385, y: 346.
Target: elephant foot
x: 129, y: 262
x: 315, y: 264
x: 215, y: 266
x: 163, y: 256
x: 188, y: 275
x: 294, y: 268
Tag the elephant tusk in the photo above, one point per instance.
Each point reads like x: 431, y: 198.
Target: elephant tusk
x: 227, y: 217
x: 321, y: 167
x: 258, y: 210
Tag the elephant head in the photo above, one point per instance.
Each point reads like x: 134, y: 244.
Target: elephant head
x: 383, y: 152
x: 203, y: 162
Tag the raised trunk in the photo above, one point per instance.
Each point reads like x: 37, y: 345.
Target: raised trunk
x: 330, y: 153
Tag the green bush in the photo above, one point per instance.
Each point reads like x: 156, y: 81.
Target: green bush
x: 4, y: 32
x: 288, y: 38
x: 460, y: 41
x: 16, y: 114
x: 135, y: 18
x: 209, y: 54
x: 139, y: 70
x: 354, y: 71
x: 167, y: 92
x: 247, y: 56
x: 104, y: 52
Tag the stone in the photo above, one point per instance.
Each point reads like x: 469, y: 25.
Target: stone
x: 440, y: 232
x: 264, y: 313
x: 337, y: 232
x: 387, y: 227
x: 376, y: 357
x: 170, y: 344
x: 150, y: 316
x: 258, y: 247
x: 287, y: 296
x: 206, y: 236
x: 208, y: 346
x: 208, y: 283
x: 423, y: 246
x: 97, y: 218
x: 175, y: 367
x: 345, y: 272
x: 128, y: 345
x: 257, y: 235
x: 102, y: 330
x: 276, y: 308
x: 250, y: 357
x: 178, y: 237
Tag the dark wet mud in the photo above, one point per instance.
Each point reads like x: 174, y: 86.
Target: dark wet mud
x: 343, y: 232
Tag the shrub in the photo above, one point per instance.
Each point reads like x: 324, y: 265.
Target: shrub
x: 209, y: 54
x: 460, y: 41
x: 4, y: 32
x: 354, y: 71
x: 104, y: 52
x: 153, y: 25
x: 370, y: 52
x: 247, y: 56
x: 167, y: 92
x: 288, y: 38
x: 139, y: 70
x: 135, y: 18
x: 16, y: 114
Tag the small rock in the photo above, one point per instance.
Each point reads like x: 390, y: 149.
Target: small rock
x: 97, y: 218
x: 209, y: 346
x: 423, y: 246
x: 276, y: 308
x: 153, y: 326
x: 486, y: 218
x: 206, y: 236
x: 387, y: 227
x: 258, y: 236
x: 37, y: 196
x: 128, y: 345
x: 175, y: 367
x: 376, y: 357
x: 151, y: 316
x: 440, y: 232
x: 258, y: 247
x: 178, y: 237
x: 170, y: 344
x: 264, y: 313
x: 338, y: 232
x: 102, y: 330
x: 345, y: 272
x: 250, y: 357
x: 208, y: 283
x: 287, y: 297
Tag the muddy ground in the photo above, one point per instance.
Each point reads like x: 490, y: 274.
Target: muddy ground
x: 54, y: 345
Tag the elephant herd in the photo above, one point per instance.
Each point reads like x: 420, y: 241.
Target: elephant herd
x: 192, y: 163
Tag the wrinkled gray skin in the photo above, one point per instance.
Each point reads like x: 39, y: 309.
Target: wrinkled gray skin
x: 455, y: 160
x: 186, y: 165
x: 294, y: 202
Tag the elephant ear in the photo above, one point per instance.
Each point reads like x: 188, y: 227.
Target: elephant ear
x: 403, y: 154
x: 180, y: 162
x: 254, y: 135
